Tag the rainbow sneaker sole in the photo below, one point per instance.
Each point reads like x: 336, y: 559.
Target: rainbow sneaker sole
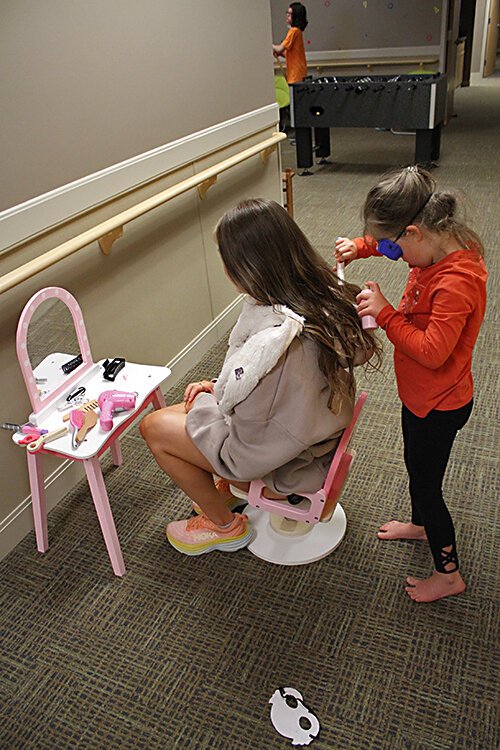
x: 202, y: 536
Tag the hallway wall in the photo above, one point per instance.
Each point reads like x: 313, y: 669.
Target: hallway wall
x: 91, y: 84
x: 109, y: 103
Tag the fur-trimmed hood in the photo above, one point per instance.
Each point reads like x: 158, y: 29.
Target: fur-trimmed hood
x: 258, y: 340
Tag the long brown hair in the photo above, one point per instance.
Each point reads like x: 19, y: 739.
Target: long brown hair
x: 299, y: 16
x: 392, y: 204
x: 267, y: 256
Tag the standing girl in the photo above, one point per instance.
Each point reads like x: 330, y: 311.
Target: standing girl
x: 433, y: 331
x: 285, y: 392
x: 292, y: 46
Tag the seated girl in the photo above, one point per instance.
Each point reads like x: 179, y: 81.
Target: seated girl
x: 285, y: 392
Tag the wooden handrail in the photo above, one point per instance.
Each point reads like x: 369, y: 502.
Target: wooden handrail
x: 202, y: 181
x: 370, y: 63
x: 421, y: 61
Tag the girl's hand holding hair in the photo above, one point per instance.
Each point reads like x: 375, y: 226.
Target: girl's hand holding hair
x: 371, y: 300
x: 193, y: 389
x: 345, y: 250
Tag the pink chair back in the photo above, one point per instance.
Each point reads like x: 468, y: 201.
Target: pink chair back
x: 322, y: 503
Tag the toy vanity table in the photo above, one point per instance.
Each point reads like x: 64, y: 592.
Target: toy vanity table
x: 50, y: 378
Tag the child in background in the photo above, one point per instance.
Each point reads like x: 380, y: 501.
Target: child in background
x: 433, y: 331
x: 292, y: 46
x: 286, y: 389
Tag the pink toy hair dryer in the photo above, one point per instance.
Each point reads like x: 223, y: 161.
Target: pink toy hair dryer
x: 111, y: 401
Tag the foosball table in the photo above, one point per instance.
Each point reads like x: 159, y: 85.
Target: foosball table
x: 398, y: 102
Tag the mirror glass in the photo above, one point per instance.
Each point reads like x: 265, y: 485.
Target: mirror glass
x: 51, y: 343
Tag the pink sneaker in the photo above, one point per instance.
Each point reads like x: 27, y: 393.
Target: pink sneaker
x: 199, y: 535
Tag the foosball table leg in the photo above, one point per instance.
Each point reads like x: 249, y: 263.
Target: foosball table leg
x: 322, y: 144
x: 304, y: 149
x: 427, y: 145
x: 436, y: 141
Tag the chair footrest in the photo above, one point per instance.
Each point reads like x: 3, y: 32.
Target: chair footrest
x: 285, y: 549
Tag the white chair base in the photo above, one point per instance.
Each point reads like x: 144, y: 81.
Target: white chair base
x: 285, y: 542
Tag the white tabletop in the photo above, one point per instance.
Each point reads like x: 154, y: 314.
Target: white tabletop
x: 141, y: 379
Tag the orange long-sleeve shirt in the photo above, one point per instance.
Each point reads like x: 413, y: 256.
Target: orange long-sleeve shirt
x: 434, y: 330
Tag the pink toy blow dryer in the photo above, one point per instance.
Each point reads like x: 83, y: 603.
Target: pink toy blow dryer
x: 111, y: 401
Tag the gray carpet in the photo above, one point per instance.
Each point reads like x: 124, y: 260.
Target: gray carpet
x: 185, y: 653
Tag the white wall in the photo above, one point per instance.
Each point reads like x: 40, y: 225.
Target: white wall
x: 85, y: 85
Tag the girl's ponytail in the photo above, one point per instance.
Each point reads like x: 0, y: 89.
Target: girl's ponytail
x: 442, y: 215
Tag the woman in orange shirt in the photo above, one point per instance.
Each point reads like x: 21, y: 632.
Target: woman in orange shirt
x: 292, y: 46
x: 433, y: 330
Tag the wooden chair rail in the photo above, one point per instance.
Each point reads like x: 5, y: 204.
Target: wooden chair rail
x: 369, y: 64
x: 107, y: 231
x: 421, y: 61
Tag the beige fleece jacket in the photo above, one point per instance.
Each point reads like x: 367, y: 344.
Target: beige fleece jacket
x: 283, y: 432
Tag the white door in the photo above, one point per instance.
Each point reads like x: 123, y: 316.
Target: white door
x: 490, y: 51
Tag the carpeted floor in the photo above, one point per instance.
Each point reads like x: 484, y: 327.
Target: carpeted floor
x: 185, y: 653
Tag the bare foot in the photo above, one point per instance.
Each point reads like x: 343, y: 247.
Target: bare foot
x: 399, y: 530
x: 436, y: 587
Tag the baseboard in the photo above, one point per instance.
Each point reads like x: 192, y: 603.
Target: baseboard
x: 19, y: 522
x: 476, y: 79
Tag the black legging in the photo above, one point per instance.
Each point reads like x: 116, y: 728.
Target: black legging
x: 427, y: 446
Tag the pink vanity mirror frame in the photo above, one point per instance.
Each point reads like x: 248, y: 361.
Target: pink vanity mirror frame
x: 51, y: 292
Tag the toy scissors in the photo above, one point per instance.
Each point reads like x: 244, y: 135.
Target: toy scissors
x: 36, y: 445
x: 28, y: 438
x: 30, y: 433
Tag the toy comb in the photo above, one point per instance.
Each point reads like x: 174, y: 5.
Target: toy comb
x: 89, y: 406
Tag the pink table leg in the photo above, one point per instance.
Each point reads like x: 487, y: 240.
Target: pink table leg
x: 104, y: 514
x: 158, y: 399
x: 38, y: 500
x: 116, y: 452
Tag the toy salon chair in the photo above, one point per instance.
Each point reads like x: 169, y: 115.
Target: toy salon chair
x: 311, y: 525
